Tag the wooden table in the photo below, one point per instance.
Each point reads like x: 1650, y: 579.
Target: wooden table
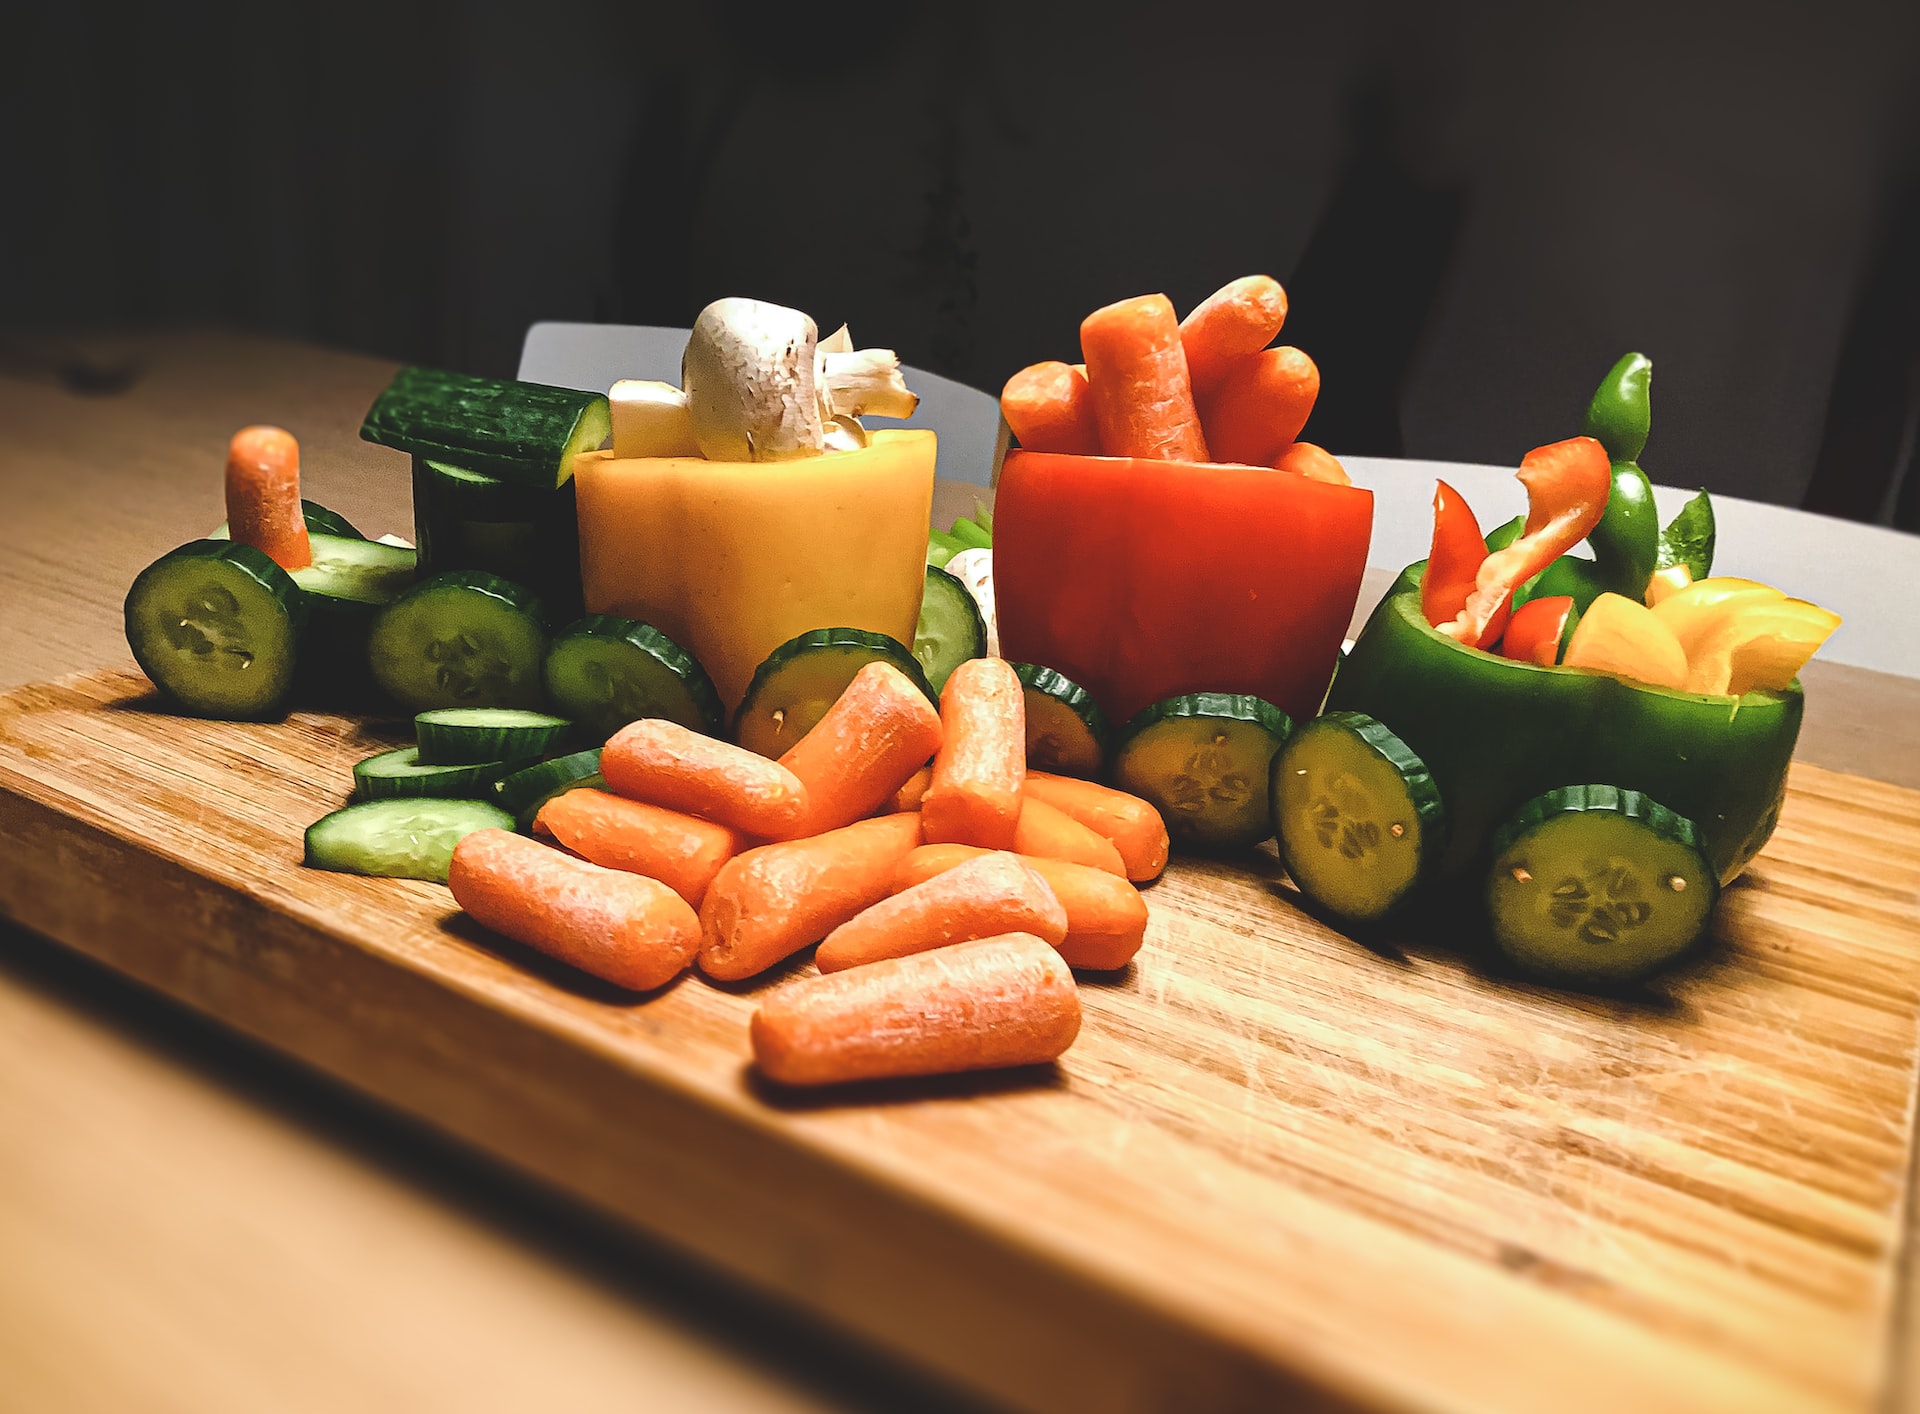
x: 190, y: 1222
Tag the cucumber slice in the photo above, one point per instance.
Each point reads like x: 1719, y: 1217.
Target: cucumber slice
x: 523, y: 432
x: 402, y: 772
x: 1357, y: 814
x: 357, y: 571
x: 1203, y: 761
x: 319, y: 521
x: 605, y: 671
x: 464, y: 639
x: 467, y: 736
x: 1067, y: 733
x: 524, y: 791
x: 950, y: 629
x: 216, y: 626
x: 398, y: 839
x: 792, y: 690
x: 1594, y: 885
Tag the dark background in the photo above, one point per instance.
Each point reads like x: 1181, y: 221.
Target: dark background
x: 1475, y: 208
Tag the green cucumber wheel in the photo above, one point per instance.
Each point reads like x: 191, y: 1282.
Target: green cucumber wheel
x: 605, y: 671
x: 1067, y: 733
x: 950, y: 630
x: 1597, y: 886
x: 467, y: 736
x: 1357, y: 814
x: 402, y: 772
x: 398, y: 839
x: 523, y: 792
x: 1203, y: 762
x: 792, y: 690
x: 216, y: 626
x: 463, y: 639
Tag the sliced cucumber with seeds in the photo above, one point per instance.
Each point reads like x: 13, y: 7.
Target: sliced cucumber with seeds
x: 216, y: 626
x: 1594, y: 885
x: 465, y: 736
x: 950, y: 629
x: 524, y: 791
x: 318, y: 519
x: 606, y: 671
x: 463, y: 639
x: 1067, y: 733
x: 402, y: 772
x: 792, y: 690
x: 1203, y: 761
x: 399, y: 839
x: 1357, y: 814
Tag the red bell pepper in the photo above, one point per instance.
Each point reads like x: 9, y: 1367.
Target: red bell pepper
x: 1535, y: 632
x: 1454, y: 562
x: 1142, y: 580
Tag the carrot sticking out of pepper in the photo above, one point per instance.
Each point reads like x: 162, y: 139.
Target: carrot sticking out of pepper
x: 626, y: 929
x: 1051, y: 833
x: 979, y: 898
x: 878, y: 732
x: 663, y: 763
x: 1314, y: 463
x: 1049, y: 406
x: 909, y: 796
x: 1106, y: 917
x: 974, y: 797
x: 767, y: 904
x: 1137, y: 371
x: 1234, y: 322
x: 1134, y: 826
x: 981, y: 1005
x: 682, y: 852
x: 1259, y: 407
x: 263, y: 496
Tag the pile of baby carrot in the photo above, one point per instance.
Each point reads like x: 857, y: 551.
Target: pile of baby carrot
x: 950, y: 901
x: 1206, y: 388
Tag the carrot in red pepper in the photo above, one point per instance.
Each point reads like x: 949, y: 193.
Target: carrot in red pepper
x: 1260, y: 406
x: 263, y: 496
x: 1234, y: 322
x: 1137, y: 370
x: 1049, y: 407
x: 1314, y: 463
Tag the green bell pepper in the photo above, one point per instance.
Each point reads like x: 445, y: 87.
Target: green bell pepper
x: 1621, y: 412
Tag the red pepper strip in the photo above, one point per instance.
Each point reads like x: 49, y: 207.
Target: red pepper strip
x: 1567, y: 487
x: 1454, y: 560
x: 1534, y: 633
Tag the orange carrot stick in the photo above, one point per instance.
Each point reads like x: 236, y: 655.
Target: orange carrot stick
x: 1137, y: 371
x: 767, y: 904
x: 1050, y: 833
x: 909, y: 796
x: 871, y: 741
x: 1050, y: 409
x: 996, y: 893
x: 1234, y: 322
x: 663, y: 763
x: 263, y: 496
x: 1106, y: 917
x: 1134, y: 826
x: 625, y: 929
x: 1260, y: 406
x: 981, y: 1005
x: 974, y: 797
x: 1314, y: 463
x: 681, y: 851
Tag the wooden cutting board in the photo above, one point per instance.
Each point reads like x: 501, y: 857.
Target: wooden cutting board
x: 1277, y: 1167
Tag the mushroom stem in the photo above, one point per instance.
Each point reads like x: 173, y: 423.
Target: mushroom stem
x: 864, y: 382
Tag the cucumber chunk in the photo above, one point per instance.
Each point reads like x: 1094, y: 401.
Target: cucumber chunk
x: 1067, y: 733
x: 216, y: 626
x: 524, y: 791
x: 1203, y: 762
x: 524, y: 432
x: 468, y: 736
x: 464, y: 520
x: 1594, y: 885
x: 1357, y: 814
x: 950, y: 629
x: 402, y: 772
x: 464, y: 639
x: 605, y: 671
x: 318, y: 519
x: 792, y: 690
x: 398, y: 839
x: 356, y: 571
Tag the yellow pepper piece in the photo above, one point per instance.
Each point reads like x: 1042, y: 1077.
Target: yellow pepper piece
x: 732, y: 559
x: 1694, y: 613
x: 1625, y: 639
x: 1759, y: 646
x: 1667, y: 582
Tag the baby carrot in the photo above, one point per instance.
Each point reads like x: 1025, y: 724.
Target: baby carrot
x: 665, y: 764
x: 1106, y: 917
x: 1050, y: 409
x: 1134, y: 826
x: 767, y: 904
x: 625, y: 929
x: 908, y: 797
x: 1314, y: 463
x: 1137, y: 371
x: 981, y: 1005
x: 871, y: 741
x: 974, y: 797
x: 996, y: 893
x: 1260, y: 406
x: 263, y: 496
x: 682, y: 852
x: 1050, y: 833
x: 1234, y: 322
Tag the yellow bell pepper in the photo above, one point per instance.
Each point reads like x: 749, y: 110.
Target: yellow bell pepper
x: 732, y: 559
x: 1624, y: 638
x: 1667, y: 582
x: 1693, y: 614
x: 1759, y: 644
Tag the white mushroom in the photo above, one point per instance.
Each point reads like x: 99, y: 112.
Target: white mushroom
x: 650, y: 420
x: 974, y: 568
x: 748, y: 374
x: 856, y: 382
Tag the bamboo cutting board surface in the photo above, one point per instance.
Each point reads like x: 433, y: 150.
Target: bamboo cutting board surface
x: 1275, y: 1166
